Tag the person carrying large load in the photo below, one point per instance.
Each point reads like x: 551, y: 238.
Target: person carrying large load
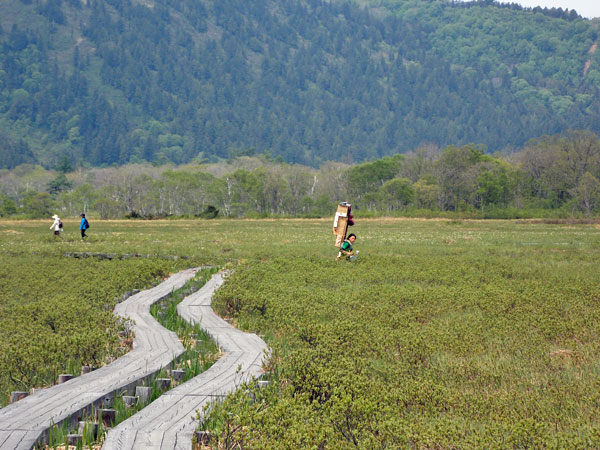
x: 343, y: 219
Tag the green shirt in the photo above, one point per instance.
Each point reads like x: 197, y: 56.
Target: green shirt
x: 346, y: 246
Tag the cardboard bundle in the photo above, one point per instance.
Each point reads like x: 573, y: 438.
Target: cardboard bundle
x: 340, y: 223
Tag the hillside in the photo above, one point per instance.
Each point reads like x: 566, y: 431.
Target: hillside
x: 110, y: 82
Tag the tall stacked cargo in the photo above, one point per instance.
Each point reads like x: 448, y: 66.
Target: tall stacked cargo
x: 343, y: 218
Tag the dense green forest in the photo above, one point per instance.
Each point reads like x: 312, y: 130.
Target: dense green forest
x: 122, y: 81
x: 553, y: 176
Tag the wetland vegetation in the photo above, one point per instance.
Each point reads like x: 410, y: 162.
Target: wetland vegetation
x: 443, y: 334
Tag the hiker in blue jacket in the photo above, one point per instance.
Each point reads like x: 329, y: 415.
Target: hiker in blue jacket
x: 84, y: 225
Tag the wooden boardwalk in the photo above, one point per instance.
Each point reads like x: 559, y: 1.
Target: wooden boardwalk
x: 168, y: 423
x: 25, y: 422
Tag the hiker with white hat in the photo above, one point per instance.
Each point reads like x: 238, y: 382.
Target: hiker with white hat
x: 57, y: 225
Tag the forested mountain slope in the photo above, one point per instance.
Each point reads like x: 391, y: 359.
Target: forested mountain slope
x: 115, y: 81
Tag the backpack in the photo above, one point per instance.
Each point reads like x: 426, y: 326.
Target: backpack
x: 60, y: 224
x: 86, y: 224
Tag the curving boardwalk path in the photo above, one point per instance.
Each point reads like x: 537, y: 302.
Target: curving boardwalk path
x: 25, y: 422
x: 168, y: 423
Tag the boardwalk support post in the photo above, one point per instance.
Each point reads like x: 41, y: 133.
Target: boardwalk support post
x: 107, y: 416
x: 143, y: 393
x: 74, y: 439
x: 163, y: 383
x: 177, y: 374
x: 129, y: 400
x: 64, y: 377
x: 15, y: 396
x: 89, y: 430
x: 203, y: 437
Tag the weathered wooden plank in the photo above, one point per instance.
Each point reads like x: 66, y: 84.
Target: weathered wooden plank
x: 24, y: 422
x: 14, y: 439
x: 169, y: 422
x: 8, y: 437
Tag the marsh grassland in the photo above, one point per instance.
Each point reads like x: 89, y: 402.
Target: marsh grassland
x: 443, y: 334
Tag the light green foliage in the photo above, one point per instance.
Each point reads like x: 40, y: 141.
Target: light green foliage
x: 556, y: 166
x: 38, y: 204
x: 200, y: 353
x: 7, y: 206
x: 547, y: 175
x: 396, y: 193
x: 200, y: 350
x: 56, y: 311
x: 372, y: 175
x: 443, y: 335
x: 588, y: 192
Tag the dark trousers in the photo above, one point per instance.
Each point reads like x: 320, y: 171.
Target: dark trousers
x: 83, y: 234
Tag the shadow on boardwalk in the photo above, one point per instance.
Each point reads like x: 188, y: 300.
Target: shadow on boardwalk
x: 24, y: 423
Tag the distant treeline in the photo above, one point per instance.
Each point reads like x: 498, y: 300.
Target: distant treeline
x: 552, y: 176
x: 559, y: 13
